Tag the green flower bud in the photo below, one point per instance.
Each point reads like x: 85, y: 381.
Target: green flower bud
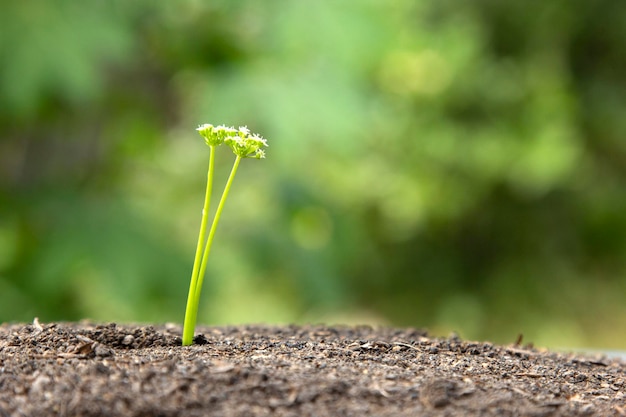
x: 207, y: 132
x: 247, y: 145
x: 222, y: 132
x: 214, y: 136
x: 259, y: 154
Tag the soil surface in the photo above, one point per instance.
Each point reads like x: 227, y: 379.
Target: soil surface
x: 85, y: 369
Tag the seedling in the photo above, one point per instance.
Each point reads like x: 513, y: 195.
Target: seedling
x: 244, y: 145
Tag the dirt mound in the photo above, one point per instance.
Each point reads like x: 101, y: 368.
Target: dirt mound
x: 84, y: 369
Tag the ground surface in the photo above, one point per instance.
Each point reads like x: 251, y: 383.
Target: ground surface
x: 83, y: 369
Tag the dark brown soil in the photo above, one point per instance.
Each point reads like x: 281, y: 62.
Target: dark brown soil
x: 83, y: 369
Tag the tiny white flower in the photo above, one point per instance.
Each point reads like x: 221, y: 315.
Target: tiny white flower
x: 242, y: 142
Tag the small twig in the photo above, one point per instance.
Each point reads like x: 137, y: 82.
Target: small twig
x: 406, y: 345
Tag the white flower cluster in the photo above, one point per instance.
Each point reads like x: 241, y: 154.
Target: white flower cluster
x: 242, y: 142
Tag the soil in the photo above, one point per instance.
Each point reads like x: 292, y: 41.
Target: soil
x: 86, y: 369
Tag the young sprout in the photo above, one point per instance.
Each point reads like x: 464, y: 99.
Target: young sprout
x: 244, y: 145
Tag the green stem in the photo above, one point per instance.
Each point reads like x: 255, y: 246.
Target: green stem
x: 216, y: 219
x: 196, y: 285
x: 191, y: 310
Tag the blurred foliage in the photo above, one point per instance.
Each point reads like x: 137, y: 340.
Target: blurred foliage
x: 455, y: 166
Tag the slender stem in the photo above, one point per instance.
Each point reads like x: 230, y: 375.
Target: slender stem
x: 191, y: 310
x: 216, y: 219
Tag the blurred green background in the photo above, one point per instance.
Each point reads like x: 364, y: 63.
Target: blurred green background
x: 459, y: 166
